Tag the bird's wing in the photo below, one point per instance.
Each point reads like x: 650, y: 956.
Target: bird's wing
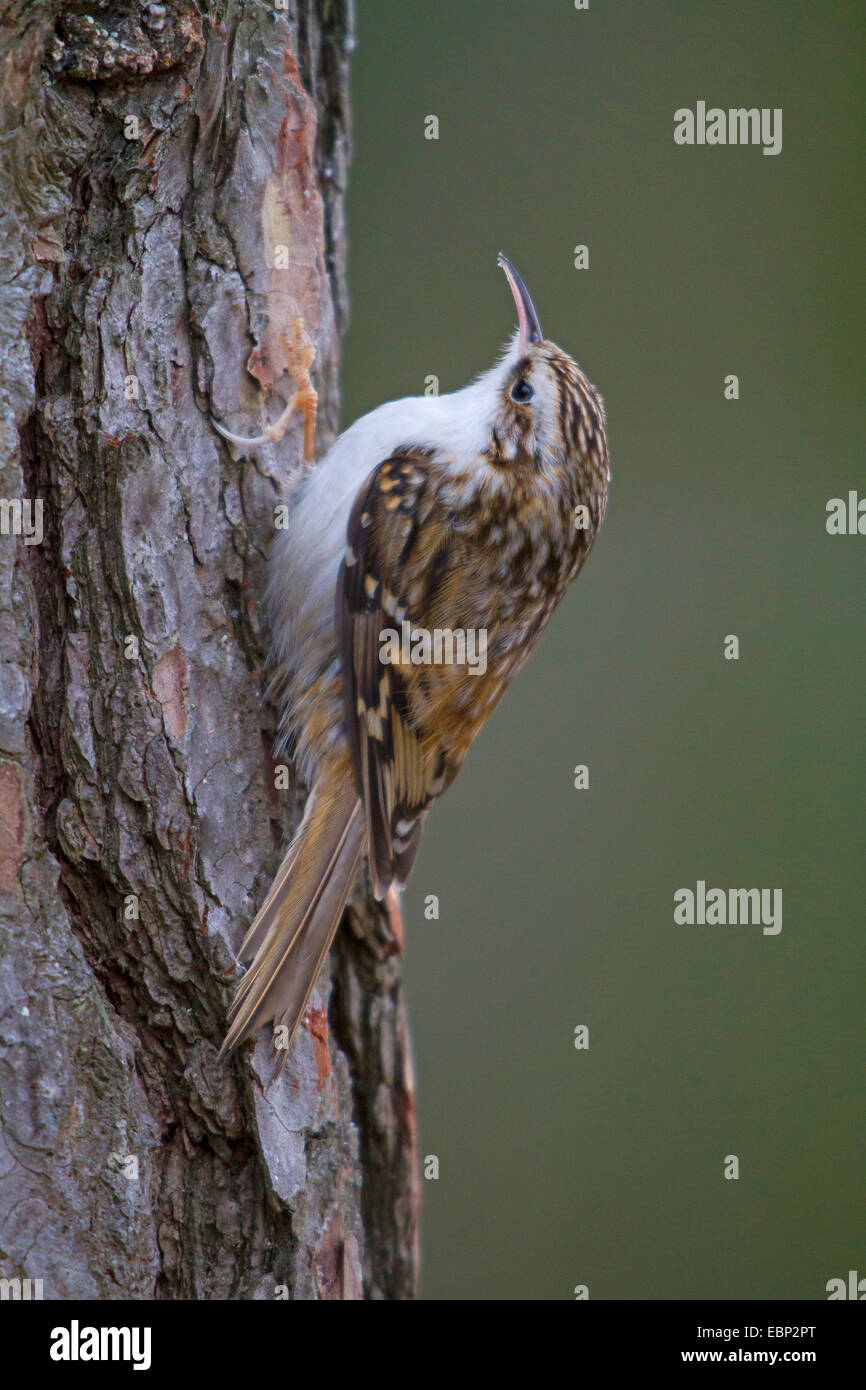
x: 396, y: 537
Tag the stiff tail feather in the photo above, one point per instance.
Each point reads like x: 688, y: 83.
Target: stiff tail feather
x: 293, y: 929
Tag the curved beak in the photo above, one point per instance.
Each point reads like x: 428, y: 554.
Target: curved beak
x: 527, y: 319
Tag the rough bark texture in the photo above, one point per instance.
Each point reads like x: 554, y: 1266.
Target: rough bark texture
x: 139, y: 821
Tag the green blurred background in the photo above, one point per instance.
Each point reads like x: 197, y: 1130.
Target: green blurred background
x: 605, y: 1167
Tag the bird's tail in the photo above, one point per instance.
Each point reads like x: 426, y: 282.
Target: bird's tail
x: 293, y: 930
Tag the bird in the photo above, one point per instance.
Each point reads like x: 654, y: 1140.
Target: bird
x: 463, y: 513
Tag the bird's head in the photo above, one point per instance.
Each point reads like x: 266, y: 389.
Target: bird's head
x: 546, y: 416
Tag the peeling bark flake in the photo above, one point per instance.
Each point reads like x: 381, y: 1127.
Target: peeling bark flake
x: 170, y: 683
x: 338, y: 1263
x: 11, y: 828
x: 317, y: 1024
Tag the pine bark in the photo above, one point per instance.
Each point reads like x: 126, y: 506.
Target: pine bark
x: 140, y: 818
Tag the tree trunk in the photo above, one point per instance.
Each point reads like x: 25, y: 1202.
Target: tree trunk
x: 156, y: 160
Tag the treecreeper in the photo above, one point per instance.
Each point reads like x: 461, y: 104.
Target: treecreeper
x: 422, y: 558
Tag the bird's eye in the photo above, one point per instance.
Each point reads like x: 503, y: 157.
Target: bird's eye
x: 521, y: 391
